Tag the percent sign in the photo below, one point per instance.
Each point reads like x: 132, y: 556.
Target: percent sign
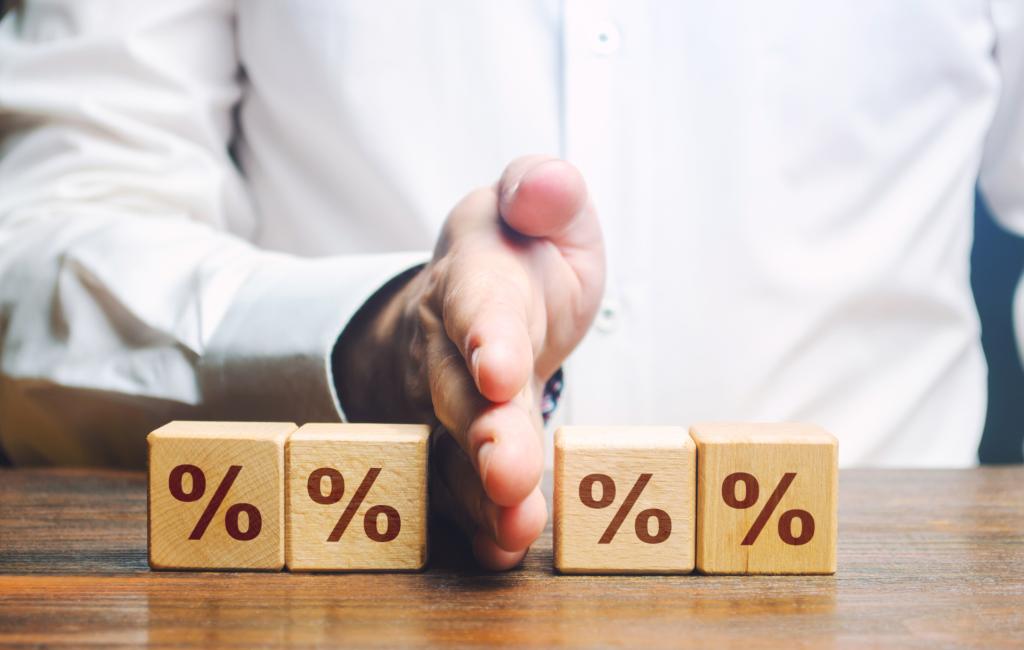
x: 751, y: 491
x: 642, y: 519
x: 393, y: 521
x: 176, y: 484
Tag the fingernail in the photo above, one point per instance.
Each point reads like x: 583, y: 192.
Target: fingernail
x: 483, y: 458
x: 474, y: 364
x: 492, y: 524
x: 507, y: 194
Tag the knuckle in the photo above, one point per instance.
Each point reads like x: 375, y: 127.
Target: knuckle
x: 443, y: 373
x: 479, y: 205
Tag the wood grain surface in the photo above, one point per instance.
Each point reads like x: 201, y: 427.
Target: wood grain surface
x: 243, y: 462
x: 760, y: 457
x: 926, y: 559
x: 399, y: 452
x: 666, y: 458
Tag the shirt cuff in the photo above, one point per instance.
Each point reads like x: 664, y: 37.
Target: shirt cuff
x: 552, y: 393
x: 270, y: 358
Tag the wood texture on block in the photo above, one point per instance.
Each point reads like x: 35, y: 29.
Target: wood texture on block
x: 623, y: 453
x: 400, y: 452
x: 767, y: 452
x: 214, y: 447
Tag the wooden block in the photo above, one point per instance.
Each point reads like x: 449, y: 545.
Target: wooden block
x: 767, y: 496
x: 357, y: 497
x: 624, y: 500
x: 216, y: 495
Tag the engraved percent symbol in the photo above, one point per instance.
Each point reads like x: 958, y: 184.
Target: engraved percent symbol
x: 642, y: 518
x: 393, y: 520
x: 176, y: 485
x: 750, y: 494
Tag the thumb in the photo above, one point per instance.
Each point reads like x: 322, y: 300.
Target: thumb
x: 543, y: 196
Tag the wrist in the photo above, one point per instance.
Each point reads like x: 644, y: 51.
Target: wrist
x: 370, y: 358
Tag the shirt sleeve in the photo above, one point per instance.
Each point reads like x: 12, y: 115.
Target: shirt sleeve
x: 125, y: 301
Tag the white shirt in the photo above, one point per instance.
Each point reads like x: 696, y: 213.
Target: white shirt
x: 786, y: 190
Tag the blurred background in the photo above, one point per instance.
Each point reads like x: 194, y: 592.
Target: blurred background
x: 996, y: 265
x: 997, y: 262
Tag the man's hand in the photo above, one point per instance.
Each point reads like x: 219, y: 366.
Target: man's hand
x: 469, y: 342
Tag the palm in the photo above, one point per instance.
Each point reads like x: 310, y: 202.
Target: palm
x: 515, y: 281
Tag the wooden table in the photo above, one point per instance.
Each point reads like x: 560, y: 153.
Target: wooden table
x: 926, y: 558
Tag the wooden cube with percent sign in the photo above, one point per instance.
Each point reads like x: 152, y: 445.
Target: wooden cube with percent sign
x: 624, y: 500
x: 357, y: 497
x: 767, y: 498
x: 216, y: 495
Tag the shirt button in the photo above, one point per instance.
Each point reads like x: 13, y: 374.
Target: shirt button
x: 607, y: 38
x: 607, y: 316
